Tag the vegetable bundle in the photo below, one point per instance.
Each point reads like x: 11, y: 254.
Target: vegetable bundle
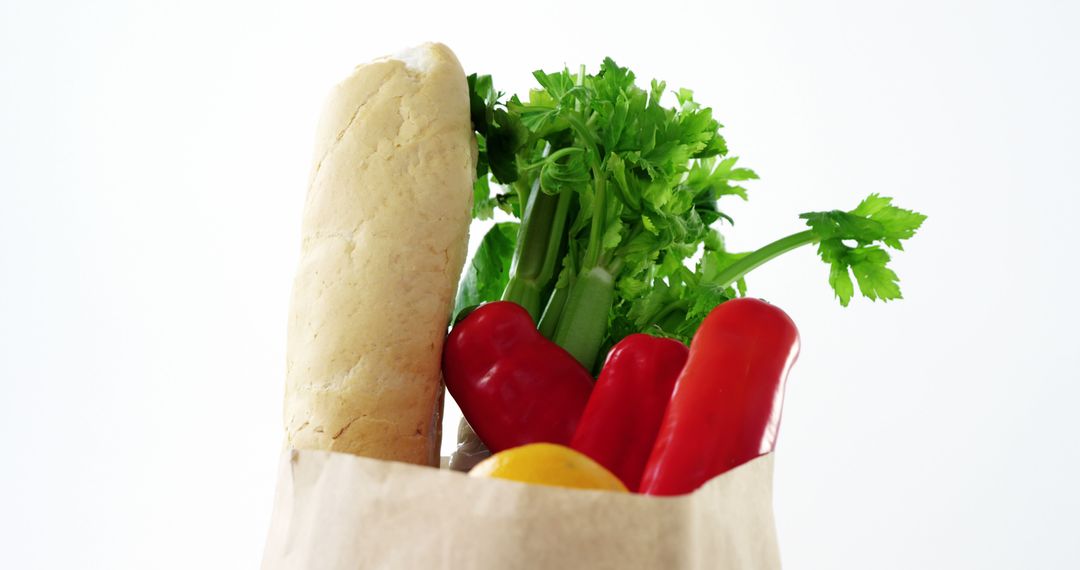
x: 617, y: 197
x: 618, y: 201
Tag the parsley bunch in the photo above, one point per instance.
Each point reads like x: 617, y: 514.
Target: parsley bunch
x: 617, y: 194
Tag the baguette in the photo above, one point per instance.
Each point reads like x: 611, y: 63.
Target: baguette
x: 385, y: 233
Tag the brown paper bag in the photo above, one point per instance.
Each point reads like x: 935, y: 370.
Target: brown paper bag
x: 337, y: 511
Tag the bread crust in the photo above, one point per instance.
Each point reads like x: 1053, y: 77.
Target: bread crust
x: 385, y: 233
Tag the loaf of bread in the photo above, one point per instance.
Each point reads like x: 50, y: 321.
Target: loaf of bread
x: 385, y: 232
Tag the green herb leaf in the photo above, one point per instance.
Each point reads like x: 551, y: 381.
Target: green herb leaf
x: 486, y: 274
x: 847, y: 243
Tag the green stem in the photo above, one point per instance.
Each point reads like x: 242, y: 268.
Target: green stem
x: 755, y: 259
x: 524, y: 284
x: 557, y: 303
x: 596, y: 230
x: 666, y: 310
x: 537, y: 251
x: 672, y: 320
x: 552, y: 157
x: 584, y: 322
x: 555, y: 235
x: 521, y: 189
x: 553, y: 311
x: 525, y: 292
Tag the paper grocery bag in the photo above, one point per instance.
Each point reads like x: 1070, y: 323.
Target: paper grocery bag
x: 336, y: 511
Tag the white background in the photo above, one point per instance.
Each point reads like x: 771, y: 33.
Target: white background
x: 153, y: 159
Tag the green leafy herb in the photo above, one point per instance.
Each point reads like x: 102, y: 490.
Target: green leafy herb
x: 484, y: 278
x: 874, y: 220
x: 618, y: 195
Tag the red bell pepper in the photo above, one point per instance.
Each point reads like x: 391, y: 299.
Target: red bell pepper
x: 725, y: 409
x: 622, y: 418
x: 513, y: 385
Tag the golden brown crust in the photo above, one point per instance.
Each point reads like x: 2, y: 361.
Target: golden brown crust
x: 385, y: 232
